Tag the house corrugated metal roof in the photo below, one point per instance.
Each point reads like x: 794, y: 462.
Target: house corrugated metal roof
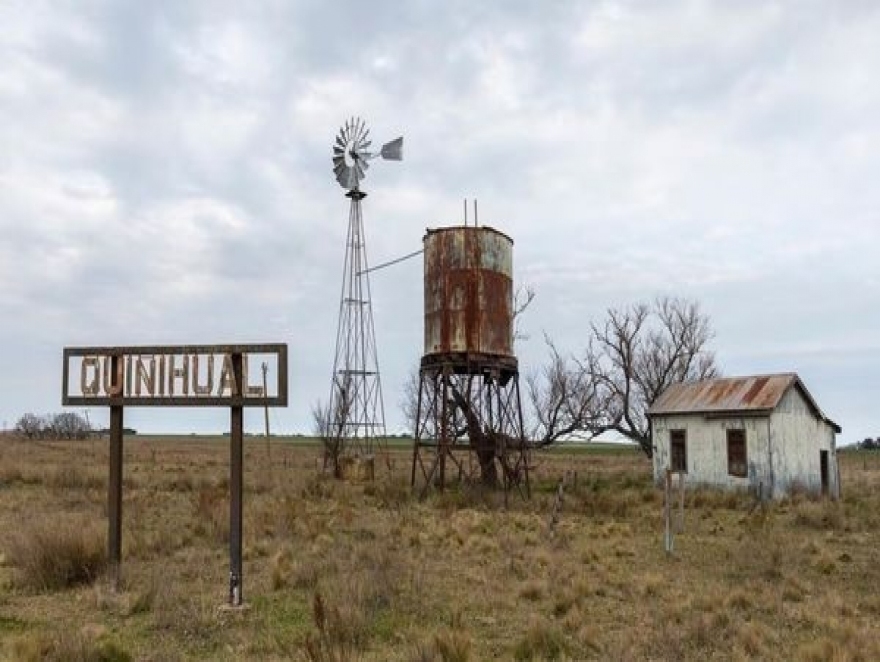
x: 753, y: 394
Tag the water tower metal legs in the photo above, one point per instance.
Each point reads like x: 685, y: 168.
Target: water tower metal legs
x: 469, y: 421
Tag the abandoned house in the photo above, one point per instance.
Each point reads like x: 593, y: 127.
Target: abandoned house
x: 764, y: 433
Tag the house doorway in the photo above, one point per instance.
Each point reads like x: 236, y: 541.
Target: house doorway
x: 823, y: 470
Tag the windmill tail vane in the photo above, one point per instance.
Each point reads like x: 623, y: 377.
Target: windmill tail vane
x: 393, y: 151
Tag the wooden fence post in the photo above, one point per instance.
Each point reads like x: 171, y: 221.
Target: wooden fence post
x: 680, y: 527
x: 667, y: 511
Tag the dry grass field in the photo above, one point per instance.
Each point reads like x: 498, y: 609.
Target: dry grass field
x: 347, y: 571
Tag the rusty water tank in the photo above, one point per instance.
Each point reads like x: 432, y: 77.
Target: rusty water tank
x: 468, y: 291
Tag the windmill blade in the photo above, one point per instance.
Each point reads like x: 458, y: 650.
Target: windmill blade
x: 393, y: 151
x: 352, y: 152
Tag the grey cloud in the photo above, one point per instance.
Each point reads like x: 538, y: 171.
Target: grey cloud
x: 166, y: 175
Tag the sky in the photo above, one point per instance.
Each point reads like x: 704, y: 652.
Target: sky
x: 166, y: 178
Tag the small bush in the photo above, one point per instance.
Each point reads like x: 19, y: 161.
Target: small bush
x: 211, y: 507
x: 179, y: 613
x: 73, y: 478
x: 389, y: 493
x: 532, y: 591
x: 542, y: 641
x: 66, y: 647
x: 51, y: 556
x: 452, y: 646
x: 10, y: 475
x: 819, y: 515
x: 335, y: 638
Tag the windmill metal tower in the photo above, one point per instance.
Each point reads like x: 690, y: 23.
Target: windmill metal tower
x: 355, y: 417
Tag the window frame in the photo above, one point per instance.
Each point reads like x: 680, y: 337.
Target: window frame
x: 738, y: 467
x: 676, y: 437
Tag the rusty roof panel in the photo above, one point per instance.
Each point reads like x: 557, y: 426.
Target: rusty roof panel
x: 759, y: 393
x: 724, y: 394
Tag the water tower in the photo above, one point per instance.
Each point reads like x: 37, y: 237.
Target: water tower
x: 469, y: 423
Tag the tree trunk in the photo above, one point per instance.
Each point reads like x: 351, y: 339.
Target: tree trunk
x: 482, y: 443
x: 485, y: 450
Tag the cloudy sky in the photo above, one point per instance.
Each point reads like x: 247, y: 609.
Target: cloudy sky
x: 165, y: 177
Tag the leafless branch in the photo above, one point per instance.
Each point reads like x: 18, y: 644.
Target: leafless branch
x: 630, y: 359
x: 522, y: 299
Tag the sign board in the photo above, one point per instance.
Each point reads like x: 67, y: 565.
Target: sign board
x: 233, y: 376
x: 177, y: 375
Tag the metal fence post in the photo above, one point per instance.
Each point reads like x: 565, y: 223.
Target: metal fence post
x: 236, y: 487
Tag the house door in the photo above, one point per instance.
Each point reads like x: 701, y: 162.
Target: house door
x: 823, y: 470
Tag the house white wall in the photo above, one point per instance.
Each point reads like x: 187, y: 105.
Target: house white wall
x: 788, y: 440
x: 797, y: 437
x: 706, y: 440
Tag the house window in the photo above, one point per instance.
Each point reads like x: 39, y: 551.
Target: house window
x: 678, y: 450
x: 736, y: 453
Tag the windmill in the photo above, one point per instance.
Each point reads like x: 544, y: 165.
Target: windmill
x: 355, y: 417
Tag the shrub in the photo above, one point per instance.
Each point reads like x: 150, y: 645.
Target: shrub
x: 333, y: 640
x: 66, y: 647
x: 51, y: 556
x: 452, y: 646
x: 211, y: 508
x: 72, y: 478
x: 541, y: 641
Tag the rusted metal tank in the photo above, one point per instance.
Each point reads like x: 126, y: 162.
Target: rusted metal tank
x: 468, y: 291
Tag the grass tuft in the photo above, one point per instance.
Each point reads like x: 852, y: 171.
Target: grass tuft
x: 50, y: 555
x: 336, y: 637
x: 66, y: 647
x: 71, y: 477
x: 542, y: 641
x: 452, y: 646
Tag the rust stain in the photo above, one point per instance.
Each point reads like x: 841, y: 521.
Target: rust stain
x: 755, y: 389
x: 761, y: 393
x: 725, y: 394
x: 468, y: 291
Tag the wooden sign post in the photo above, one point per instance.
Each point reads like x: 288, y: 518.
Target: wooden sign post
x: 171, y: 376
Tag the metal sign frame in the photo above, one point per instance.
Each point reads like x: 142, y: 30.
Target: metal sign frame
x: 129, y: 357
x: 117, y: 364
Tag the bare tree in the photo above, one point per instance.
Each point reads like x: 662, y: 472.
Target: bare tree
x: 638, y: 353
x: 330, y: 434
x: 565, y: 402
x: 30, y: 425
x: 331, y: 442
x: 522, y: 299
x: 409, y: 402
x: 329, y: 426
x: 69, y: 425
x: 64, y: 425
x: 630, y: 359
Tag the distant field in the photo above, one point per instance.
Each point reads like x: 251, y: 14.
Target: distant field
x: 392, y: 442
x: 348, y: 571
